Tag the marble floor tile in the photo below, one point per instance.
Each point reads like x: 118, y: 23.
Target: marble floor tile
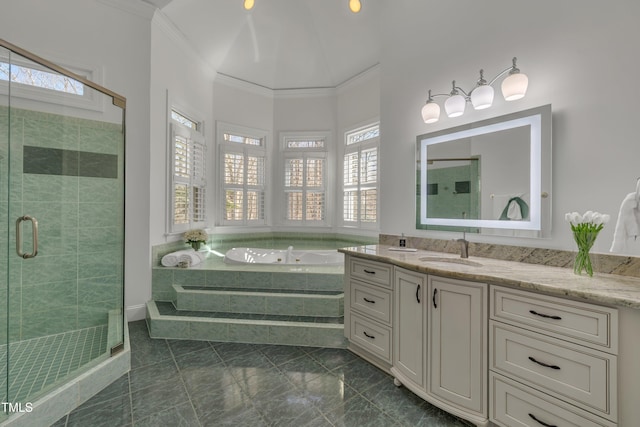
x: 199, y: 383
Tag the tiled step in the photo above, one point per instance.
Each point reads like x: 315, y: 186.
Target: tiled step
x: 259, y: 301
x: 165, y: 321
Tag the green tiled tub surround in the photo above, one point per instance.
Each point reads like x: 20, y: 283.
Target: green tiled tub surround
x: 166, y: 322
x: 260, y: 301
x: 267, y: 304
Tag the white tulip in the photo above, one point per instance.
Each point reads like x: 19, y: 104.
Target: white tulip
x: 588, y: 216
x: 576, y: 218
x: 605, y: 218
x: 597, y: 219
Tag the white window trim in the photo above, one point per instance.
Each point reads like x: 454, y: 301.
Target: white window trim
x: 359, y: 147
x: 246, y: 149
x: 193, y: 137
x: 329, y: 180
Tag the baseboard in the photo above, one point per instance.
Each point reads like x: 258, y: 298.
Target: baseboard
x: 136, y: 312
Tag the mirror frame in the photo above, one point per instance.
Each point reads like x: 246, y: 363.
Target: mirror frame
x: 539, y: 120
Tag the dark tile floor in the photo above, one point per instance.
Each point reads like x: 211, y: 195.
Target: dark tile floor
x: 195, y: 383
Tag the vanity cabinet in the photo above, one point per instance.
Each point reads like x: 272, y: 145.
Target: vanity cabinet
x: 409, y: 344
x: 510, y: 352
x: 440, y: 341
x: 368, y: 311
x: 553, y: 361
x: 457, y: 345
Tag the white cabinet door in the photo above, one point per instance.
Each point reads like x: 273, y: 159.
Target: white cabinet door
x: 458, y: 343
x: 409, y: 325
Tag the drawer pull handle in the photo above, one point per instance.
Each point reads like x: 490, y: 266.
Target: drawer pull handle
x: 418, y: 294
x: 369, y: 336
x: 546, y: 316
x: 435, y: 292
x: 541, y: 422
x: 370, y: 301
x: 544, y: 364
x: 369, y: 271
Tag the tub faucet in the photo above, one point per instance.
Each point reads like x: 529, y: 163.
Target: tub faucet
x: 288, y: 258
x: 464, y: 246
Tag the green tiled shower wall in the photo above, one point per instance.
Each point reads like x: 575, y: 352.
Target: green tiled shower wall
x: 76, y: 278
x: 448, y: 203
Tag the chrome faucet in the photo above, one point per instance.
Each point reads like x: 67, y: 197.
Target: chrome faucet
x: 464, y: 246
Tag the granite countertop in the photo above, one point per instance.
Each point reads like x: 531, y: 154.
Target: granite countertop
x: 601, y: 288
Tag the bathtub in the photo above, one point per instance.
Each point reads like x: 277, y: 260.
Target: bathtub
x: 283, y: 256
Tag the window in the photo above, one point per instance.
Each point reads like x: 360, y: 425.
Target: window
x: 188, y: 182
x: 244, y: 158
x: 39, y: 78
x: 305, y: 179
x: 360, y: 185
x: 32, y: 81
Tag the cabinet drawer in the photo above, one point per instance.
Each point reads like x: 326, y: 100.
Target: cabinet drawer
x: 371, y: 271
x: 371, y: 300
x: 584, y: 377
x: 515, y: 405
x: 371, y: 336
x: 578, y: 322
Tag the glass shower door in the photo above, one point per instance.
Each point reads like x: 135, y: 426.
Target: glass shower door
x: 63, y: 225
x: 4, y: 229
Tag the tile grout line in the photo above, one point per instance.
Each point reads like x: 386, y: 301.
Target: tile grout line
x: 186, y: 389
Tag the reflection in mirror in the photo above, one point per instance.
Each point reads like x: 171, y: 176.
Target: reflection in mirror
x: 490, y: 177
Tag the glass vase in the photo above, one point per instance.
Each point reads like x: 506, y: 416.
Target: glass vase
x: 585, y: 241
x: 195, y: 245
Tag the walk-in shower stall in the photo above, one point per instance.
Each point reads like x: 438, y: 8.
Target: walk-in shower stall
x: 62, y: 219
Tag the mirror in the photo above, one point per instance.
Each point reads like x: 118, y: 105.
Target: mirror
x: 489, y: 177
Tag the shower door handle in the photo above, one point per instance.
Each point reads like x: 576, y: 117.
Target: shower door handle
x: 34, y: 225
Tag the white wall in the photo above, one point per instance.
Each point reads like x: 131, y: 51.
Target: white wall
x: 117, y: 40
x: 179, y: 79
x: 304, y: 111
x: 577, y: 55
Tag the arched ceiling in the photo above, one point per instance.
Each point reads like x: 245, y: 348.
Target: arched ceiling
x: 280, y: 44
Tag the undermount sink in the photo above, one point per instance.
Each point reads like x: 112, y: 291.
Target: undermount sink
x: 463, y: 261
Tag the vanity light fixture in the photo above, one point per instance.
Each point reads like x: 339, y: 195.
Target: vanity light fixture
x: 248, y: 4
x: 481, y: 96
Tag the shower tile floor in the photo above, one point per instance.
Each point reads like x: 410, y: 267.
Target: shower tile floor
x: 198, y: 383
x: 39, y: 363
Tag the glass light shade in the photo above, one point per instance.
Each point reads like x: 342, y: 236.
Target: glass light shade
x: 515, y: 86
x: 355, y: 6
x: 430, y: 112
x: 482, y: 97
x: 248, y: 4
x: 454, y: 105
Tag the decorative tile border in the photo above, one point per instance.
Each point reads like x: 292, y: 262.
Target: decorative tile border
x: 602, y: 263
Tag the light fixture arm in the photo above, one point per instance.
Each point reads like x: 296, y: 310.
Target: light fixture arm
x: 513, y: 69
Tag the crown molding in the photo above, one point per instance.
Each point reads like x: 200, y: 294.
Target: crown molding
x: 138, y: 8
x: 373, y: 71
x: 244, y: 85
x: 321, y: 92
